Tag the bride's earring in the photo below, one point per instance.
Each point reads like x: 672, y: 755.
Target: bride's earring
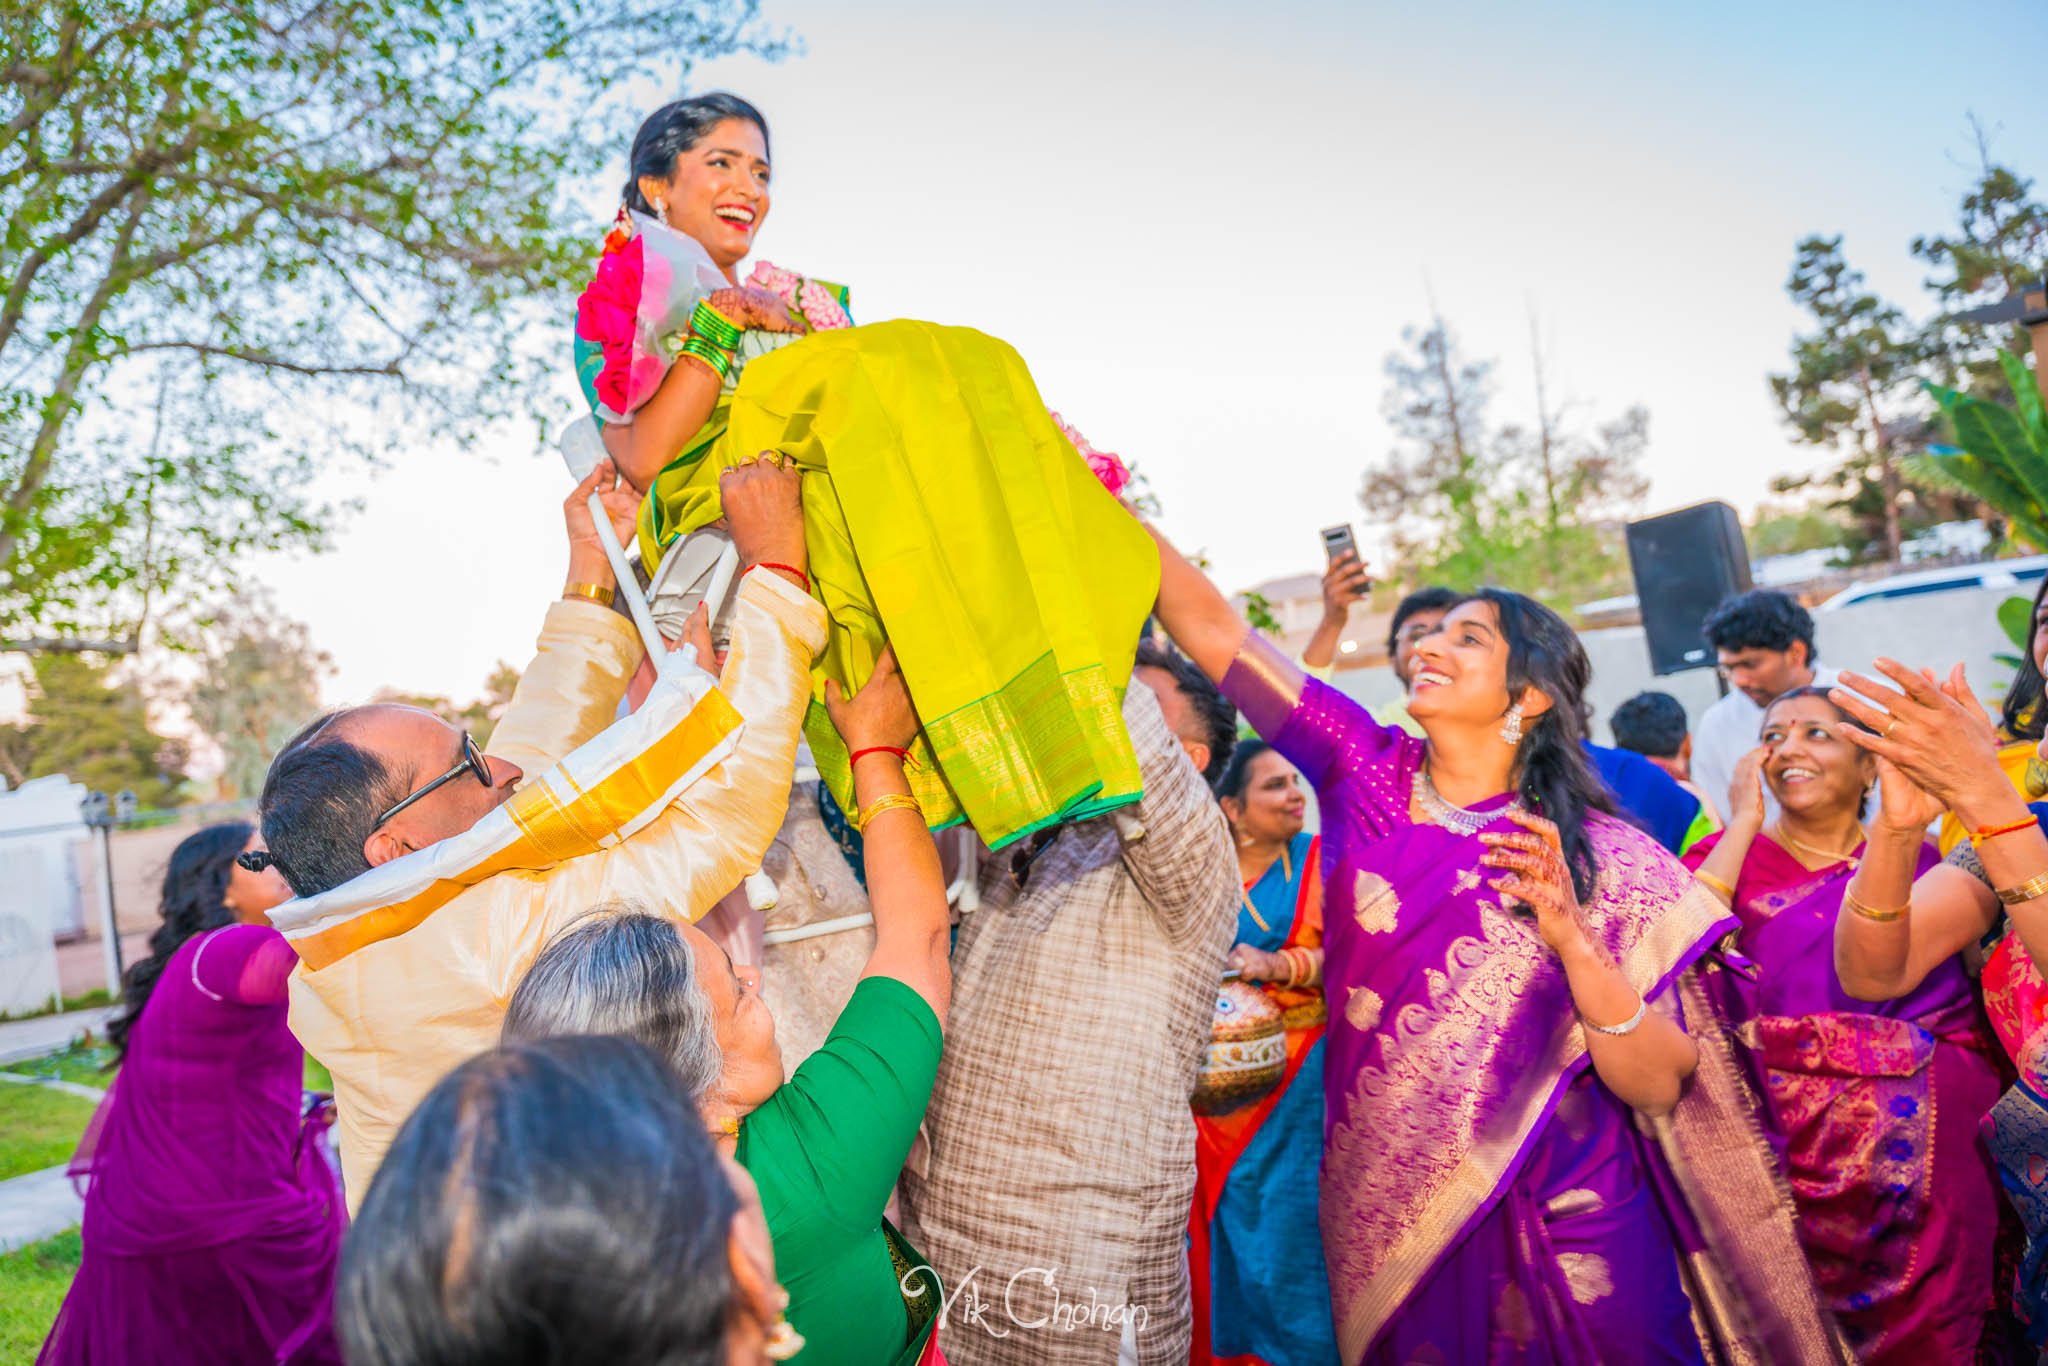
x: 1511, y: 725
x: 661, y: 211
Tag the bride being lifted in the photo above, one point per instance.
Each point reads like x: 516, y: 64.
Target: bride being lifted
x: 946, y: 511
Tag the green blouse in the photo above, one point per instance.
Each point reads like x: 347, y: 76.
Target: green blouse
x: 826, y: 1150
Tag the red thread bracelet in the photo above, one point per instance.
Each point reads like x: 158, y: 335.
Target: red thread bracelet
x: 785, y: 568
x: 1979, y: 836
x: 860, y: 754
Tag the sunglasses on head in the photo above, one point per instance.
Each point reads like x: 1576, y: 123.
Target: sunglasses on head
x: 472, y: 762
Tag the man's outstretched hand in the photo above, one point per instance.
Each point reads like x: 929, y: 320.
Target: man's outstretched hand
x: 764, y: 512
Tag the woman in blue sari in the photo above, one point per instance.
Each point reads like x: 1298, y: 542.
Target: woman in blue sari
x: 1261, y: 1292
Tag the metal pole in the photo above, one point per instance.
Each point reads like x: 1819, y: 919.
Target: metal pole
x: 110, y: 930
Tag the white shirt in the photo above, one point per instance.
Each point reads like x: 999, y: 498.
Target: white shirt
x: 1727, y: 731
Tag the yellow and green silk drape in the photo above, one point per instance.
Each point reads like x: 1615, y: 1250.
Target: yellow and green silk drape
x: 945, y: 513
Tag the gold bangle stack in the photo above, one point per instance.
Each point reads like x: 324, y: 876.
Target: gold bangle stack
x: 2033, y: 887
x: 1869, y: 912
x: 895, y: 801
x: 596, y: 592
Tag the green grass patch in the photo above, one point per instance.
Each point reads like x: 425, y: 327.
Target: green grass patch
x: 39, y: 1127
x: 33, y: 1280
x: 85, y: 1064
x: 90, y: 1000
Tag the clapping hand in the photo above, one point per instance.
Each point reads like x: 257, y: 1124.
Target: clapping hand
x: 1938, y: 735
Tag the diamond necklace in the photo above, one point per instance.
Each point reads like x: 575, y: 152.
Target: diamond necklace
x: 1438, y: 811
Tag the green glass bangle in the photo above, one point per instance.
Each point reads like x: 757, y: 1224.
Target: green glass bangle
x: 708, y: 323
x: 718, y: 359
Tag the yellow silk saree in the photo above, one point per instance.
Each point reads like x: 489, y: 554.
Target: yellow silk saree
x: 946, y: 513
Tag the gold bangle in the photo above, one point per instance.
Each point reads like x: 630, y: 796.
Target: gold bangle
x: 1702, y: 875
x: 1869, y: 912
x: 596, y: 592
x: 2033, y: 887
x: 895, y: 801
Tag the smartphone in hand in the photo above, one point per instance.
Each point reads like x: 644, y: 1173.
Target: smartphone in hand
x: 1338, y: 541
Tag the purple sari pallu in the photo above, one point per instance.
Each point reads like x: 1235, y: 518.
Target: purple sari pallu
x: 1484, y: 1197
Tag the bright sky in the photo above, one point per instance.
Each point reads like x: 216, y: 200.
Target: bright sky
x: 1205, y: 225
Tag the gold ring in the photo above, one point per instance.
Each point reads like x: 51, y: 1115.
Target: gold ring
x: 1892, y: 727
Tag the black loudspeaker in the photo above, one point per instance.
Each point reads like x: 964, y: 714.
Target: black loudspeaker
x: 1685, y: 563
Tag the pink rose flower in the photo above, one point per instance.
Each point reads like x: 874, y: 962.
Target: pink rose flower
x: 607, y: 313
x: 1108, y: 468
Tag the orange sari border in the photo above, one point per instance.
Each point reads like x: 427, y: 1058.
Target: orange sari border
x: 629, y: 777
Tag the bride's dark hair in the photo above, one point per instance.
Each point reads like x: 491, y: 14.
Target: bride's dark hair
x: 674, y: 129
x: 1554, y: 776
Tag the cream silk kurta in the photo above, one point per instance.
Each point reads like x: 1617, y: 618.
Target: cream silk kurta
x: 406, y: 970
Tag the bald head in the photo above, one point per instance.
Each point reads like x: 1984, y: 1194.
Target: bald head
x: 332, y: 782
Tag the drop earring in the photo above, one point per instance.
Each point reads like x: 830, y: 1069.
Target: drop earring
x: 661, y: 210
x: 1511, y: 725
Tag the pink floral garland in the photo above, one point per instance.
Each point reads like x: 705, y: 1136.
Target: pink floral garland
x: 1108, y: 468
x: 820, y: 310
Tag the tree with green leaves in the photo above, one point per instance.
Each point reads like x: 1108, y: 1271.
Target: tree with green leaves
x: 260, y: 682
x: 93, y: 728
x: 1466, y: 503
x: 1854, y: 382
x: 246, y: 239
x: 1999, y: 248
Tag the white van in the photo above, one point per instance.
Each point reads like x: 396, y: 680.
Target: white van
x: 2023, y: 575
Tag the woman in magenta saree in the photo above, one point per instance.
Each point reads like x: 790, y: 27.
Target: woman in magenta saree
x: 213, y: 1217
x: 1877, y: 1103
x: 1485, y: 1195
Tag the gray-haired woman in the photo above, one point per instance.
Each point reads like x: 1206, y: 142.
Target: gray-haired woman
x: 826, y: 1146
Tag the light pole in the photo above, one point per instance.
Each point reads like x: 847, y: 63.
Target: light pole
x: 102, y: 815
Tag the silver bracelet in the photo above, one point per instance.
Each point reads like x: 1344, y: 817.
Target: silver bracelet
x: 1627, y: 1026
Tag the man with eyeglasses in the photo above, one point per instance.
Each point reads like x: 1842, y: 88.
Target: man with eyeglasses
x: 430, y: 872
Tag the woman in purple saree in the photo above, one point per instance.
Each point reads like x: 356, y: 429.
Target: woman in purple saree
x: 1877, y: 1103
x: 213, y: 1218
x: 1505, y: 987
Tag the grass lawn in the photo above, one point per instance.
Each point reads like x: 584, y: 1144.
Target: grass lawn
x: 33, y: 1280
x: 39, y: 1127
x: 81, y: 1063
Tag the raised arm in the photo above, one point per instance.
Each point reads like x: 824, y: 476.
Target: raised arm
x: 586, y: 653
x: 1935, y: 751
x: 716, y: 832
x: 1198, y: 617
x: 1344, y: 583
x: 679, y: 408
x: 906, y: 886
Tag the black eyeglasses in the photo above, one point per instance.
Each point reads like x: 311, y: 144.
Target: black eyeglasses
x: 472, y: 762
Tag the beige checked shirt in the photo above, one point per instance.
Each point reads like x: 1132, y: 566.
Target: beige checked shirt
x: 1055, y: 1194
